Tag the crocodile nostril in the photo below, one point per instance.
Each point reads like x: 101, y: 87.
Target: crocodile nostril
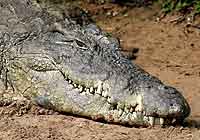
x: 173, y: 92
x: 166, y: 87
x: 149, y: 87
x: 170, y: 90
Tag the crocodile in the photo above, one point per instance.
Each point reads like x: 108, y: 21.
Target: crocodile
x: 79, y: 69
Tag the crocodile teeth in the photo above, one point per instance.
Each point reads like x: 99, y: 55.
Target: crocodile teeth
x: 120, y: 112
x: 139, y: 115
x: 134, y: 115
x: 131, y: 109
x: 138, y: 108
x: 126, y: 110
x: 144, y: 113
x: 80, y: 88
x: 91, y: 89
x: 174, y: 120
x: 87, y: 91
x: 75, y: 85
x: 105, y: 94
x: 109, y: 99
x: 70, y: 81
x: 162, y: 121
x: 71, y: 86
x: 151, y: 121
x: 99, y: 88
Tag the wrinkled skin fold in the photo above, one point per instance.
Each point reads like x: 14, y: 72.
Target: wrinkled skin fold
x: 79, y: 69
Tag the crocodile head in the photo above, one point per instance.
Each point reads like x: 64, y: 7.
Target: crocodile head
x: 80, y: 70
x: 103, y: 85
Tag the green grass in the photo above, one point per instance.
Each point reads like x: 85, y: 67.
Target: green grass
x: 180, y: 5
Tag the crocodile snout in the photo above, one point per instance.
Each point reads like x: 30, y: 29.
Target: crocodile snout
x: 165, y: 102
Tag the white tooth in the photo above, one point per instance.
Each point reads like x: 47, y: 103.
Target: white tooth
x: 131, y: 110
x: 112, y: 100
x: 144, y: 113
x: 91, y: 89
x: 138, y: 108
x: 145, y: 119
x: 120, y: 112
x: 70, y: 81
x: 109, y: 99
x: 134, y: 115
x: 151, y: 121
x: 128, y: 116
x: 80, y: 88
x: 99, y: 88
x: 162, y: 121
x: 106, y: 87
x: 75, y: 85
x: 120, y: 105
x: 123, y: 116
x: 71, y: 86
x: 105, y: 94
x: 139, y: 115
x: 126, y: 110
x: 88, y: 91
x: 174, y: 120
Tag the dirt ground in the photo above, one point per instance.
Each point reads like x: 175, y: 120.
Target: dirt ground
x: 167, y: 50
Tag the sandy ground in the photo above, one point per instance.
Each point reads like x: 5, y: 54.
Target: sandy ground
x: 168, y: 51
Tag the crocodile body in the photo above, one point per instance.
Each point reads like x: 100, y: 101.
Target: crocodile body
x: 78, y: 69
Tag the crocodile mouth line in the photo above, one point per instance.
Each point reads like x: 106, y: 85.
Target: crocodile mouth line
x: 132, y: 114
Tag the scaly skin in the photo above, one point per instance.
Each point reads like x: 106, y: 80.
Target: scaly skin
x: 78, y: 69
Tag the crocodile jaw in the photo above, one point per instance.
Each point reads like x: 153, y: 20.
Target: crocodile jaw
x: 136, y: 109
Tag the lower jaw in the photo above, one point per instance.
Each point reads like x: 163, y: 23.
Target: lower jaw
x: 107, y: 114
x: 132, y: 119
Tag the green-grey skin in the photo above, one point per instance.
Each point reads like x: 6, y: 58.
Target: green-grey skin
x: 79, y: 70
